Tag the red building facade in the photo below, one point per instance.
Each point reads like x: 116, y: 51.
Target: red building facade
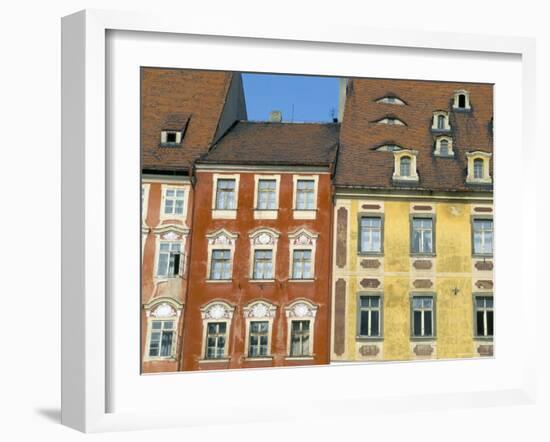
x: 259, y: 276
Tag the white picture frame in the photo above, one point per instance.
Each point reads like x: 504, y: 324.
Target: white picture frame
x: 87, y: 210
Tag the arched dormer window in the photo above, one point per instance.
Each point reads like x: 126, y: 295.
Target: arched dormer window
x: 444, y: 147
x: 391, y: 99
x: 478, y: 168
x: 392, y: 121
x: 461, y: 100
x: 440, y: 122
x: 405, y: 166
x: 388, y: 148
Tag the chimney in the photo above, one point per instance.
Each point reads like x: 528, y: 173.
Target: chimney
x: 275, y: 116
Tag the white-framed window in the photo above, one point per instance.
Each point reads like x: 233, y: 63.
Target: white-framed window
x: 482, y: 236
x: 263, y: 250
x: 370, y: 234
x: 174, y: 199
x: 484, y: 316
x: 369, y: 318
x: 216, y: 321
x: 478, y: 167
x: 423, y: 316
x: 389, y: 148
x: 391, y: 99
x: 461, y: 100
x: 266, y: 196
x: 302, y: 247
x: 259, y: 317
x: 305, y: 196
x: 405, y: 165
x: 169, y: 259
x: 444, y: 146
x: 225, y: 196
x: 162, y: 322
x: 144, y: 200
x: 221, y: 249
x: 422, y: 235
x: 440, y: 121
x: 392, y: 121
x: 170, y: 137
x: 301, y: 324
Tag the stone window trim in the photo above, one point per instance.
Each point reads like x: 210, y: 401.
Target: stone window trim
x: 220, y: 239
x: 217, y: 310
x: 259, y: 310
x: 266, y: 213
x: 456, y: 100
x: 433, y: 337
x: 397, y: 156
x: 170, y: 138
x: 435, y: 121
x: 145, y: 188
x: 162, y: 309
x: 171, y: 233
x: 437, y: 149
x: 305, y: 213
x: 427, y: 215
x: 302, y: 239
x: 358, y: 336
x: 391, y: 99
x: 263, y: 238
x: 370, y: 215
x: 473, y: 218
x: 162, y: 215
x: 301, y: 309
x: 476, y: 295
x: 486, y: 158
x: 224, y: 213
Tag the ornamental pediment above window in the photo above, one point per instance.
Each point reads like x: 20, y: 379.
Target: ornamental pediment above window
x: 301, y: 308
x: 259, y: 310
x: 222, y: 237
x: 217, y: 310
x: 171, y: 232
x: 264, y: 237
x: 303, y: 237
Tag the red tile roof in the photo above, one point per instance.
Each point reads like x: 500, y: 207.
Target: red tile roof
x: 359, y: 165
x: 271, y: 143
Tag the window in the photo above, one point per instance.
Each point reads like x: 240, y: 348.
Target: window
x: 215, y: 340
x: 405, y: 166
x: 388, y: 148
x: 462, y: 101
x: 170, y: 137
x: 423, y: 316
x: 422, y: 240
x: 161, y: 339
x: 478, y: 168
x: 263, y: 264
x: 369, y: 316
x: 391, y: 121
x: 258, y: 339
x: 173, y: 201
x: 305, y: 194
x: 267, y: 195
x: 301, y: 264
x: 441, y: 121
x: 299, y: 338
x: 169, y: 259
x: 370, y: 234
x: 484, y: 316
x: 390, y: 99
x: 483, y: 236
x: 225, y: 194
x: 220, y: 266
x: 444, y: 147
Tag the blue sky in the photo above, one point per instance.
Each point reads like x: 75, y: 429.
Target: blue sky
x: 312, y: 97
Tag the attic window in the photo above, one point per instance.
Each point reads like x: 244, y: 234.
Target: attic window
x: 405, y: 166
x: 170, y: 137
x: 478, y: 168
x: 392, y: 121
x: 461, y: 100
x: 388, y: 148
x: 440, y: 122
x: 390, y: 99
x: 173, y: 130
x: 444, y: 147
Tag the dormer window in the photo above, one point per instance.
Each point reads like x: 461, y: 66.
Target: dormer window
x: 405, y: 166
x: 174, y: 126
x: 391, y: 121
x: 388, y: 148
x: 478, y: 168
x: 440, y: 121
x: 170, y: 137
x: 391, y: 99
x: 444, y: 147
x: 461, y: 100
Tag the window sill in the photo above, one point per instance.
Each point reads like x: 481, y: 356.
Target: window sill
x: 481, y: 181
x: 423, y: 338
x: 369, y: 338
x: 400, y: 179
x: 169, y: 144
x: 160, y: 359
x: 299, y: 358
x: 224, y: 213
x: 259, y: 359
x: 219, y: 281
x: 422, y: 255
x: 304, y: 213
x: 302, y: 280
x: 259, y: 281
x: 266, y: 213
x: 482, y: 255
x: 374, y: 254
x: 437, y: 130
x: 483, y: 338
x: 217, y: 360
x: 462, y: 109
x: 167, y: 278
x: 449, y: 156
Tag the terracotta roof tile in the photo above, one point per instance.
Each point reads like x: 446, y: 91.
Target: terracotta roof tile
x: 362, y: 166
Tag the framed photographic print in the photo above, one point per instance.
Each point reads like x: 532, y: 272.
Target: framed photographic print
x: 314, y: 212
